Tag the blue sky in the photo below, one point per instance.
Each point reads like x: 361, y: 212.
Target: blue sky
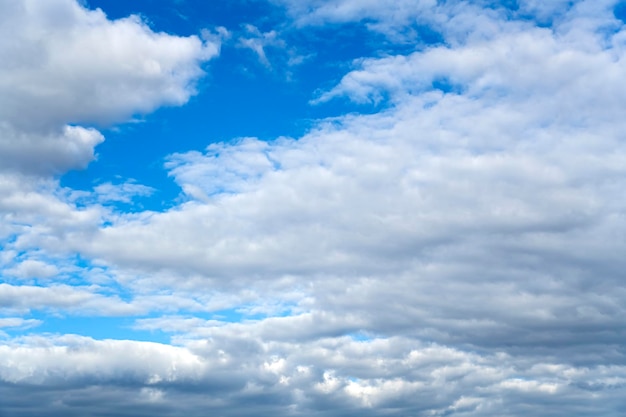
x: 312, y: 207
x: 240, y: 95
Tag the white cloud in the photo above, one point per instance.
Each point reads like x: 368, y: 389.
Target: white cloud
x: 71, y: 147
x: 545, y: 10
x: 59, y: 297
x: 72, y: 358
x: 503, y: 69
x: 18, y: 322
x: 124, y: 192
x: 31, y: 268
x: 451, y: 21
x: 34, y: 209
x: 64, y: 65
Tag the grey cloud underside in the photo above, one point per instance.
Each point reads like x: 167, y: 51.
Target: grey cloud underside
x: 457, y: 254
x: 336, y: 376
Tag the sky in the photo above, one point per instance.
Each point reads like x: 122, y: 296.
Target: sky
x: 312, y: 208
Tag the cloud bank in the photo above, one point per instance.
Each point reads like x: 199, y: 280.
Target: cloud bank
x: 458, y: 252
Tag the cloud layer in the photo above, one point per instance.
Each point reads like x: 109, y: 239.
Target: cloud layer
x: 457, y: 252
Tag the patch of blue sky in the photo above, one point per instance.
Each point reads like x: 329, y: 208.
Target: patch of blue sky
x: 361, y: 336
x: 447, y: 86
x: 608, y: 31
x: 185, y: 17
x: 108, y: 327
x: 256, y: 312
x: 249, y: 313
x: 100, y: 327
x: 120, y: 328
x: 238, y: 97
x: 620, y: 11
x: 541, y: 15
x: 113, y: 288
x: 506, y: 4
x: 228, y: 315
x: 114, y: 327
x: 426, y: 36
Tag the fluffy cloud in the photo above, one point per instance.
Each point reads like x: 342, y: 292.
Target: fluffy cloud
x: 65, y: 65
x: 52, y: 152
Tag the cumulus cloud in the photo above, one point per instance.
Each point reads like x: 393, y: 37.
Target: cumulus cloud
x: 65, y: 65
x: 54, y: 152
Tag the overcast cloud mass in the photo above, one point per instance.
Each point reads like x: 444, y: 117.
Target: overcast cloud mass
x: 445, y: 236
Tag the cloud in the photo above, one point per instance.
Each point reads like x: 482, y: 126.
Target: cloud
x: 258, y: 42
x: 65, y: 65
x: 124, y: 192
x: 412, y: 22
x: 315, y: 12
x: 54, y: 152
x: 327, y: 375
x: 71, y: 65
x: 16, y: 323
x: 32, y: 269
x: 33, y: 208
x: 271, y: 49
x: 419, y: 22
x: 59, y: 297
x: 458, y: 252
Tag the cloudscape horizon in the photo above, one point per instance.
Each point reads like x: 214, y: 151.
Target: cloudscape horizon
x: 312, y: 208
